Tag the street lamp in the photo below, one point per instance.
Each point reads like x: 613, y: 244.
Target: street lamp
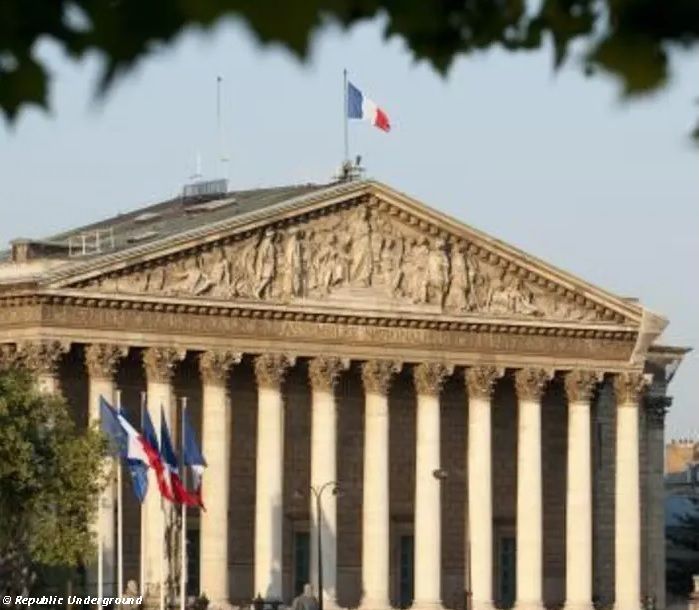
x: 318, y: 494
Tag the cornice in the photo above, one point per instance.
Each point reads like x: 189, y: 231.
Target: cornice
x: 329, y: 314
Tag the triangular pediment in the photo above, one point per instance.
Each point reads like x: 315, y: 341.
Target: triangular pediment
x: 371, y: 249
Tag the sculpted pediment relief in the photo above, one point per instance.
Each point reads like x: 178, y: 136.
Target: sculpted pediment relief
x: 364, y: 255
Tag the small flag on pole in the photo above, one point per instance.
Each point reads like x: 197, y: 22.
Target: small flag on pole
x: 170, y: 462
x: 152, y: 448
x: 195, y: 460
x: 361, y: 107
x: 128, y: 444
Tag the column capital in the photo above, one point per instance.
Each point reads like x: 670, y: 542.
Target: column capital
x: 656, y: 409
x: 480, y: 380
x: 324, y: 372
x: 215, y: 364
x: 159, y: 363
x: 41, y: 357
x: 102, y: 359
x: 530, y: 382
x: 270, y: 369
x: 377, y: 375
x: 430, y: 376
x: 580, y: 384
x: 628, y: 388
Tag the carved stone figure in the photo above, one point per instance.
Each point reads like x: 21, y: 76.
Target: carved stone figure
x: 360, y: 247
x: 361, y: 266
x: 437, y: 279
x: 265, y: 264
x: 293, y: 270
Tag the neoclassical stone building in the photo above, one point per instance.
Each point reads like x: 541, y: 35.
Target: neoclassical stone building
x: 494, y: 425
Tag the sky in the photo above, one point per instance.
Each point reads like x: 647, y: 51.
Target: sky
x: 553, y: 163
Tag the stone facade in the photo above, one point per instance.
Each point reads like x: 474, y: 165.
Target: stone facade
x: 446, y: 365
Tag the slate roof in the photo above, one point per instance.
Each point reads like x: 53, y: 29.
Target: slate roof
x: 179, y: 215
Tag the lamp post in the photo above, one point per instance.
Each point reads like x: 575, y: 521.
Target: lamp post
x: 318, y: 495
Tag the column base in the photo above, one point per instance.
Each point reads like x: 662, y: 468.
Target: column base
x: 580, y: 606
x: 628, y: 606
x: 424, y: 604
x: 374, y: 604
x: 151, y: 598
x: 477, y: 604
x: 529, y: 605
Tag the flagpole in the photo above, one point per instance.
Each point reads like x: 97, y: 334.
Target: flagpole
x: 163, y: 546
x: 162, y: 554
x: 100, y: 544
x: 120, y: 518
x: 344, y: 115
x: 183, y: 533
x: 143, y: 521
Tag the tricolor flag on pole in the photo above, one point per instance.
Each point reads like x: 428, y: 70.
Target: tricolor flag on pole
x: 359, y: 106
x: 155, y: 460
x: 171, y: 471
x: 195, y: 460
x: 128, y: 444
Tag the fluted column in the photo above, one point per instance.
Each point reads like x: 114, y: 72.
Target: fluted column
x: 376, y: 376
x: 530, y: 385
x: 269, y: 371
x: 428, y: 378
x: 159, y: 364
x: 627, y: 496
x: 42, y: 358
x: 656, y: 409
x: 214, y: 367
x: 579, y: 386
x: 479, y: 382
x: 102, y: 360
x: 323, y: 374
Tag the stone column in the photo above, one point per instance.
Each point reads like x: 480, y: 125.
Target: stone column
x: 530, y: 385
x: 269, y: 517
x: 376, y: 376
x: 42, y: 357
x: 579, y: 386
x: 656, y: 408
x: 479, y: 383
x: 216, y: 439
x: 102, y: 360
x: 323, y: 374
x: 627, y: 496
x: 159, y: 364
x: 428, y: 378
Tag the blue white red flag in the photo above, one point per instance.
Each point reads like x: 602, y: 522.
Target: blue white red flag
x: 196, y: 462
x: 171, y: 466
x: 152, y: 449
x: 359, y: 106
x: 128, y: 444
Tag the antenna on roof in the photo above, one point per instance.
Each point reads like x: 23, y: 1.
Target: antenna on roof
x: 222, y: 157
x: 197, y: 175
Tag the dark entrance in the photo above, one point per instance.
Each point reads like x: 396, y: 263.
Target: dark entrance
x: 406, y: 580
x: 302, y: 561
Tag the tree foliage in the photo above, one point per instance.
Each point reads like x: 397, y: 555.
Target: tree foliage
x: 50, y: 481
x: 629, y: 39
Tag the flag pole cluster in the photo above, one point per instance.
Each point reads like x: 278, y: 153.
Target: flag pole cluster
x: 141, y: 451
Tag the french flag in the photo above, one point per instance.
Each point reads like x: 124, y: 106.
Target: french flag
x: 170, y: 462
x: 128, y: 444
x: 151, y: 447
x: 359, y: 106
x: 196, y: 462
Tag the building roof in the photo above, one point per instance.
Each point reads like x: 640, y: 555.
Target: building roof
x: 178, y: 215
